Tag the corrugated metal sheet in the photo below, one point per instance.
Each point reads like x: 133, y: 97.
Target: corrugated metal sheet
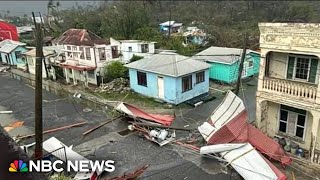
x: 221, y: 54
x: 79, y: 37
x: 8, y: 48
x: 170, y: 64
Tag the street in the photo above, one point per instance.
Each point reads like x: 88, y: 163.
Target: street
x: 130, y: 151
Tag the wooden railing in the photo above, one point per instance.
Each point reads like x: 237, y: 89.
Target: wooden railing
x: 294, y: 89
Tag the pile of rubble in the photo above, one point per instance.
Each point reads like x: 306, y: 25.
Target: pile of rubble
x: 119, y: 85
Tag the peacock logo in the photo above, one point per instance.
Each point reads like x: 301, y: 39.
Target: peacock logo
x: 18, y: 166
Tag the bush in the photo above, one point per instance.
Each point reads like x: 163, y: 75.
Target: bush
x: 115, y: 70
x: 135, y: 58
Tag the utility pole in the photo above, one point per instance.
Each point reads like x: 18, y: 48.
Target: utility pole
x: 243, y: 56
x: 38, y: 89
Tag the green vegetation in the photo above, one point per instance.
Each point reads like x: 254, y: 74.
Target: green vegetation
x: 135, y: 58
x: 115, y: 70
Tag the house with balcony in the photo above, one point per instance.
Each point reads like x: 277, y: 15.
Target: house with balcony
x: 85, y: 55
x: 288, y: 94
x: 128, y: 48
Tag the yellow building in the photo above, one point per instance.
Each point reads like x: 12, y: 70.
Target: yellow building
x: 288, y: 95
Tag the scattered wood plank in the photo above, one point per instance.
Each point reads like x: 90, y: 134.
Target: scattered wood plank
x: 53, y: 130
x: 99, y: 126
x: 5, y: 112
x: 161, y: 126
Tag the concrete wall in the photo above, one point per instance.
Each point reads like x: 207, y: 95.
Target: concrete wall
x: 197, y: 89
x: 136, y: 49
x: 172, y: 87
x: 273, y: 124
x: 32, y: 66
x: 278, y: 65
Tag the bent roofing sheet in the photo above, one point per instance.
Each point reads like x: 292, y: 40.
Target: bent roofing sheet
x: 138, y: 113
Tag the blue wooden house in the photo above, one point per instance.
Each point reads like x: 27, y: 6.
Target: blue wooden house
x: 225, y: 62
x: 11, y: 53
x: 170, y: 77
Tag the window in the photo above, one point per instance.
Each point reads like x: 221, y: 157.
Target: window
x: 18, y: 54
x: 142, y: 78
x: 75, y: 53
x: 69, y: 51
x: 292, y: 121
x: 144, y: 48
x: 81, y: 52
x: 200, y: 77
x: 88, y: 54
x: 130, y: 49
x: 102, y: 53
x: 91, y: 74
x: 114, y: 51
x: 186, y: 83
x: 302, y: 68
x: 250, y: 63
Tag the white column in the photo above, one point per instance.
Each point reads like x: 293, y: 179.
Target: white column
x: 314, y: 132
x: 86, y: 78
x: 66, y: 73
x: 74, y: 77
x: 262, y: 69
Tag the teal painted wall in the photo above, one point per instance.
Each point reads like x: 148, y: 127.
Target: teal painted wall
x: 172, y: 87
x: 228, y: 73
x: 12, y: 59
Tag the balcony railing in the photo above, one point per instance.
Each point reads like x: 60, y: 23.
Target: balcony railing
x: 290, y: 88
x: 316, y: 158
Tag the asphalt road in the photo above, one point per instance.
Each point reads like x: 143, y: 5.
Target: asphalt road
x: 129, y: 151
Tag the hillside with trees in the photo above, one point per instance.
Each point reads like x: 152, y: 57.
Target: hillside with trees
x: 225, y: 21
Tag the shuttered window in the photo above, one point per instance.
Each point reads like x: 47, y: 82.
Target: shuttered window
x: 302, y: 68
x: 313, y: 70
x: 290, y: 67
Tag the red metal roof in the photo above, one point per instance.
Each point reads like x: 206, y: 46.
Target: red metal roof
x: 238, y: 130
x: 79, y: 37
x: 8, y: 31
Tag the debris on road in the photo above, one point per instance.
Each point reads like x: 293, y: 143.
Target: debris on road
x: 5, y: 112
x: 244, y: 159
x: 228, y: 124
x: 4, y: 69
x: 64, y: 153
x: 119, y: 85
x: 53, y: 130
x: 13, y: 125
x: 163, y: 127
x: 139, y: 114
x: 157, y: 135
x: 99, y: 126
x: 131, y: 176
x: 87, y: 110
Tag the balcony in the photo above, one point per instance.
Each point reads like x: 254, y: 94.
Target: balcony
x: 292, y: 89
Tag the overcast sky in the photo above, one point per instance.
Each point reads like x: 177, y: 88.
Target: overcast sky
x: 26, y: 7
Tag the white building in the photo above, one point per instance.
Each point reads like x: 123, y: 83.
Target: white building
x: 288, y: 95
x: 128, y: 48
x: 86, y: 55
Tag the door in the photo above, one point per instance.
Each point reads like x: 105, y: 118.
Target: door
x: 160, y: 87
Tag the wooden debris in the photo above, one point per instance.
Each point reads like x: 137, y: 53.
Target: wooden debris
x: 5, y: 112
x: 99, y: 126
x: 13, y: 125
x: 53, y: 130
x: 161, y: 126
